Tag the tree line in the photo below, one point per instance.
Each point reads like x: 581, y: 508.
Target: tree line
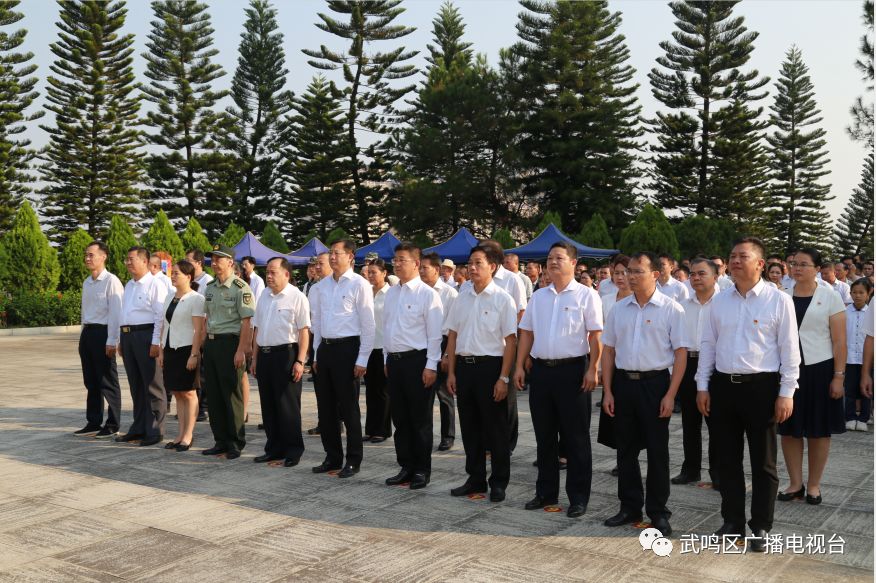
x: 554, y: 127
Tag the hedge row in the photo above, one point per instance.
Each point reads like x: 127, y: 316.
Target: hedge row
x: 27, y: 309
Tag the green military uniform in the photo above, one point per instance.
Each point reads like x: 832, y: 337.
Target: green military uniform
x: 227, y: 303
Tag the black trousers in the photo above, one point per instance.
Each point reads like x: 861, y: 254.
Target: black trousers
x: 410, y: 404
x: 202, y: 389
x: 101, y: 378
x: 225, y: 392
x: 446, y: 401
x: 638, y: 426
x: 484, y: 422
x: 146, y: 382
x: 513, y: 419
x: 739, y: 411
x: 377, y: 420
x: 337, y: 399
x: 692, y: 425
x: 558, y: 404
x: 280, y: 400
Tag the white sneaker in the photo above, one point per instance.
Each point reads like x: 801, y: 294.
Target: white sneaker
x: 870, y: 421
x: 852, y: 425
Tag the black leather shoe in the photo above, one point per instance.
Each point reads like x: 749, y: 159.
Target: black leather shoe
x: 814, y: 500
x: 716, y: 484
x: 467, y: 489
x: 171, y: 445
x: 261, y: 427
x: 662, y: 524
x: 419, y: 481
x: 538, y: 502
x: 215, y: 450
x: 683, y: 478
x: 201, y: 417
x: 87, y: 430
x: 788, y: 496
x: 576, y: 510
x: 445, y: 444
x: 129, y: 437
x: 730, y: 530
x: 232, y: 454
x: 260, y: 459
x: 288, y: 463
x: 151, y: 440
x: 366, y: 438
x: 623, y: 517
x: 313, y: 430
x: 497, y: 494
x: 614, y: 471
x: 348, y: 471
x: 757, y: 543
x: 183, y: 446
x: 325, y: 467
x: 106, y: 433
x: 403, y: 477
x: 378, y: 439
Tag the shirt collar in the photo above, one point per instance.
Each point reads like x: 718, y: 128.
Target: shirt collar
x: 413, y: 284
x: 500, y: 273
x: 658, y: 298
x: 852, y: 308
x: 573, y: 286
x: 285, y: 291
x: 756, y: 290
x: 227, y: 282
x: 694, y: 299
x: 489, y: 290
x: 100, y: 276
x: 143, y: 280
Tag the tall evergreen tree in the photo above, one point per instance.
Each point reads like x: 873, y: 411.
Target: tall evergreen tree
x: 186, y: 126
x: 193, y: 237
x: 73, y: 270
x: 162, y: 237
x: 232, y: 235
x: 447, y: 31
x: 594, y: 233
x: 650, y: 231
x: 259, y: 106
x: 701, y: 72
x: 854, y: 230
x: 16, y: 94
x: 317, y: 196
x: 579, y: 129
x: 93, y: 166
x: 370, y: 97
x: 797, y: 160
x: 271, y: 237
x: 119, y: 239
x: 862, y: 112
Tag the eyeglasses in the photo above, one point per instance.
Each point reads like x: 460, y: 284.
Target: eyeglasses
x: 636, y: 272
x: 477, y: 264
x: 795, y: 264
x: 397, y: 261
x: 337, y: 253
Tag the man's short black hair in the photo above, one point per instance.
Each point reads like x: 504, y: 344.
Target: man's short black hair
x: 197, y: 255
x: 143, y: 252
x: 652, y: 258
x: 432, y: 259
x: 349, y: 246
x: 251, y: 259
x: 711, y: 264
x: 570, y: 249
x: 493, y: 253
x: 754, y: 242
x: 100, y: 245
x: 409, y: 247
x: 284, y: 263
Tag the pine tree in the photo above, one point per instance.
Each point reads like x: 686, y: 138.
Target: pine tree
x: 370, y: 98
x: 162, y: 237
x: 862, y: 124
x: 273, y: 238
x: 504, y: 237
x: 317, y: 197
x: 549, y: 218
x: 186, y: 126
x: 16, y: 94
x: 594, y: 233
x: 650, y: 231
x: 580, y: 128
x: 232, y: 235
x: 260, y: 104
x: 336, y: 235
x: 119, y: 239
x: 93, y: 167
x: 697, y: 234
x: 193, y: 237
x: 31, y: 263
x: 73, y: 270
x: 854, y: 230
x: 700, y: 72
x: 447, y: 31
x: 797, y: 160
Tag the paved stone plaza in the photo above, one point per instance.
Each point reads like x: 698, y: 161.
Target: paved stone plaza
x: 78, y: 509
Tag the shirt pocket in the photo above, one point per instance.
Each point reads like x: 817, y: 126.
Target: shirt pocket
x: 764, y: 327
x: 346, y: 305
x: 572, y: 323
x: 410, y: 315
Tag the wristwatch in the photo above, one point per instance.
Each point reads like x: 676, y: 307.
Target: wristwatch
x: 301, y: 362
x: 505, y: 380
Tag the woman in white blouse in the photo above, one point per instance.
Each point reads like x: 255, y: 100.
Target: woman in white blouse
x: 857, y: 405
x: 818, y: 400
x: 377, y: 421
x: 181, y: 339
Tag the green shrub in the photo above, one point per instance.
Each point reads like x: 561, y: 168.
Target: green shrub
x: 73, y: 270
x: 31, y: 309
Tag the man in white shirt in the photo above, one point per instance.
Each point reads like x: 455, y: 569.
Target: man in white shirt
x: 448, y: 268
x: 704, y: 279
x: 256, y: 283
x: 724, y: 280
x: 140, y: 339
x: 560, y: 329
x: 429, y: 272
x: 746, y: 378
x: 342, y: 312
x: 668, y: 285
x: 412, y: 323
x: 202, y: 278
x: 829, y: 276
x: 101, y: 307
x: 512, y: 264
x: 282, y: 336
x: 157, y: 272
x: 606, y: 286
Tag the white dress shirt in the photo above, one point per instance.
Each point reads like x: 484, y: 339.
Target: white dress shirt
x: 608, y: 302
x: 344, y: 308
x: 645, y: 339
x: 202, y: 282
x: 724, y: 281
x: 673, y: 289
x: 162, y: 277
x: 560, y: 321
x: 102, y: 303
x: 279, y: 317
x: 787, y: 281
x: 144, y: 303
x: 181, y: 330
x: 606, y: 287
x: 482, y: 321
x: 379, y: 300
x: 751, y: 334
x: 257, y: 285
x: 868, y: 326
x: 511, y: 284
x: 412, y: 320
x: 855, y: 323
x: 844, y: 291
x: 695, y: 315
x: 527, y: 284
x: 448, y: 295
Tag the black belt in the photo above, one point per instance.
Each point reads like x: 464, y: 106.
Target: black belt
x: 476, y: 359
x: 555, y: 362
x: 90, y: 326
x: 137, y: 327
x: 738, y: 379
x: 693, y: 353
x: 343, y: 340
x: 640, y: 375
x: 277, y: 348
x: 405, y: 354
x: 221, y: 336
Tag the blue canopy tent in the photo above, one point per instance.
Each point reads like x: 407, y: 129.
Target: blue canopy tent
x: 457, y: 247
x: 250, y: 246
x: 384, y: 246
x: 310, y: 249
x: 539, y: 247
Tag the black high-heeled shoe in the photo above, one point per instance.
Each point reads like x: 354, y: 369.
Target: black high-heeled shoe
x: 183, y: 446
x: 171, y: 445
x: 814, y: 500
x: 788, y: 496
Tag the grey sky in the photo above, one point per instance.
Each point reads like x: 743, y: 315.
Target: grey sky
x: 827, y: 33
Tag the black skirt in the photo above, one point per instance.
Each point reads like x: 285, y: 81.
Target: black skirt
x: 815, y: 413
x: 176, y: 376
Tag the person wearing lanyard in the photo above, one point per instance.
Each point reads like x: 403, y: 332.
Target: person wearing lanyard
x: 562, y: 325
x: 342, y: 313
x: 412, y: 321
x: 746, y: 377
x: 282, y: 335
x: 704, y: 281
x: 644, y: 337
